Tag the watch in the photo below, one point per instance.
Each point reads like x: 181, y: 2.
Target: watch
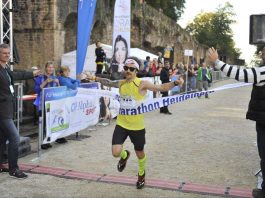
x: 176, y: 83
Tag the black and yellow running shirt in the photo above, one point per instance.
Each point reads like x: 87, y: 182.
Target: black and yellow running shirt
x: 129, y: 91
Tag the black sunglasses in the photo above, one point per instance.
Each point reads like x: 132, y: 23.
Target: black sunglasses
x: 126, y: 68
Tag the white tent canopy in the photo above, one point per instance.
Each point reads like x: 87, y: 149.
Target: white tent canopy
x: 69, y: 59
x: 141, y: 54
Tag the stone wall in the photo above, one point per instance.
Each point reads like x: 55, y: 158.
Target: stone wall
x: 34, y: 32
x: 45, y: 29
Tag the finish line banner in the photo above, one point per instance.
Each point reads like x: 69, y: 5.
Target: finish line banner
x: 70, y: 111
x: 132, y: 107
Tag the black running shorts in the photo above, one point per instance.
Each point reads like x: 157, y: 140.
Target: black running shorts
x: 137, y: 137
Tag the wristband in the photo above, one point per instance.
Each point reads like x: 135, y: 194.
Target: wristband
x: 216, y: 62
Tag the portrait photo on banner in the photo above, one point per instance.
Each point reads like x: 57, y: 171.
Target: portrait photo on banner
x: 120, y: 53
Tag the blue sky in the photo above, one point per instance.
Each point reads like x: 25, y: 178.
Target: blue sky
x: 242, y: 8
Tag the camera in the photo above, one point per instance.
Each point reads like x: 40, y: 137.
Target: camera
x: 257, y: 29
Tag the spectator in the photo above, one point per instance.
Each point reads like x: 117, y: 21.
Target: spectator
x: 100, y: 54
x: 160, y: 58
x: 164, y: 77
x: 65, y: 80
x: 159, y: 69
x: 191, y: 78
x: 146, y: 63
x: 8, y: 130
x: 256, y: 108
x: 154, y: 67
x: 49, y: 79
x: 202, y: 78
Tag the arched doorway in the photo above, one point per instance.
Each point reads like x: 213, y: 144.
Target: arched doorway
x: 70, y: 27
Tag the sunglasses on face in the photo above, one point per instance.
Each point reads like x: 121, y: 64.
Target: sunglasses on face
x: 126, y: 68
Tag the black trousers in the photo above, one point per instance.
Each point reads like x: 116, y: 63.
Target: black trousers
x: 99, y: 69
x: 164, y: 109
x: 8, y: 131
x: 260, y: 127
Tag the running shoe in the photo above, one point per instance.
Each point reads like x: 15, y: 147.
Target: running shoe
x: 141, y: 181
x: 122, y: 163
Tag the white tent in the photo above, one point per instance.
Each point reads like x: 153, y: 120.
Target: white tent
x: 69, y: 59
x: 141, y: 54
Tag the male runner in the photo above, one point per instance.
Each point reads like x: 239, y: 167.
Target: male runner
x: 132, y: 89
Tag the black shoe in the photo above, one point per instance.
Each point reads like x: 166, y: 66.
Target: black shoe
x: 168, y: 113
x: 141, y: 181
x: 18, y: 174
x: 61, y: 140
x: 258, y: 193
x: 46, y: 146
x: 4, y: 170
x: 122, y: 163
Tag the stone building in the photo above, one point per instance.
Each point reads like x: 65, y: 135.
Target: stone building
x: 45, y: 29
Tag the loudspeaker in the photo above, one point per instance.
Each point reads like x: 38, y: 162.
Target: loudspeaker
x: 257, y: 29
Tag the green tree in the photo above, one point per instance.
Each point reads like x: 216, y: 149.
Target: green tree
x: 213, y: 29
x: 172, y: 8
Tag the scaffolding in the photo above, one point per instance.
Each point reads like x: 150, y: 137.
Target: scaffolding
x: 6, y: 26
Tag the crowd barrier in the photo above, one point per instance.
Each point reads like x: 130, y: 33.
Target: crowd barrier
x: 65, y: 112
x: 61, y: 98
x: 18, y: 106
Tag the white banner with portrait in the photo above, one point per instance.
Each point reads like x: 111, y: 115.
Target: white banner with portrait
x: 121, y: 34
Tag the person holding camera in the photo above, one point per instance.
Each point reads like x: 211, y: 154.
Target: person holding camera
x: 256, y: 108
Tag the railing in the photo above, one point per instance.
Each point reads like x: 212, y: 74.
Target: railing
x: 18, y: 107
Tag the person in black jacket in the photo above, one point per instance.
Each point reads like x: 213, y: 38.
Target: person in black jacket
x: 100, y: 57
x: 8, y: 130
x: 164, y: 77
x: 256, y: 108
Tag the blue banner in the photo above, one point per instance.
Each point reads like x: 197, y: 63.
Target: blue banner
x: 92, y: 85
x: 56, y: 93
x: 86, y: 11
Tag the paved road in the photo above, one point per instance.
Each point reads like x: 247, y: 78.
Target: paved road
x: 206, y: 141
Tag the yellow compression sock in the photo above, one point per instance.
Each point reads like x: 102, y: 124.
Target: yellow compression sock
x: 123, y: 154
x: 141, y: 163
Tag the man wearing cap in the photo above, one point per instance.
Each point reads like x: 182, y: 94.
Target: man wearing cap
x: 132, y: 89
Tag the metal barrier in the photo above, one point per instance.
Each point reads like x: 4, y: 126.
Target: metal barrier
x: 18, y: 106
x: 217, y: 75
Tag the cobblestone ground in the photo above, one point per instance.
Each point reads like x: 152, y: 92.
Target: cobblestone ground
x: 205, y: 141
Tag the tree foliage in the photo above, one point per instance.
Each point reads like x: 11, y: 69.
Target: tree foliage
x: 213, y: 29
x: 172, y: 8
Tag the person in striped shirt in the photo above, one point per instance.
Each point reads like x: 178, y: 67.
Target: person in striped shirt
x: 256, y: 108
